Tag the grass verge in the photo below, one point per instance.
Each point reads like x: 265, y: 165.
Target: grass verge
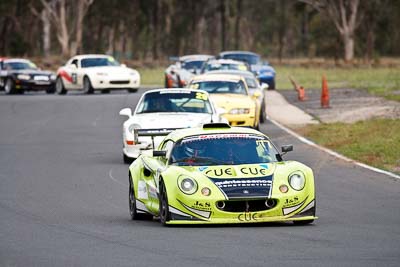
x: 152, y: 76
x: 374, y: 142
x: 381, y: 81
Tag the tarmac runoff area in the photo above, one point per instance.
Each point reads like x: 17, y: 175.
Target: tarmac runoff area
x: 283, y: 114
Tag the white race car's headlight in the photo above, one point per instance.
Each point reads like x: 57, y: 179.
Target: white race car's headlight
x: 134, y: 73
x: 132, y: 128
x: 239, y: 111
x: 102, y: 73
x: 187, y: 185
x: 53, y: 77
x: 297, y: 180
x: 24, y: 77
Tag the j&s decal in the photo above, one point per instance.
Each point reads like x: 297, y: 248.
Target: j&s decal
x: 290, y: 201
x: 201, y: 205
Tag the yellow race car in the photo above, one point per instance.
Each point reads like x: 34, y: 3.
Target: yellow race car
x: 230, y: 93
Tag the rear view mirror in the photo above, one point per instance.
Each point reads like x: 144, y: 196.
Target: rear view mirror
x: 286, y: 149
x: 126, y: 112
x: 159, y: 153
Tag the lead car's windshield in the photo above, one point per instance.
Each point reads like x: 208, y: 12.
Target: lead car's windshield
x: 223, y: 149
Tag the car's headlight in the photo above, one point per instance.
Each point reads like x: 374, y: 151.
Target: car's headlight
x: 133, y: 127
x: 239, y: 111
x: 187, y: 185
x: 134, y: 73
x: 53, y: 77
x: 23, y: 77
x: 297, y: 180
x: 102, y: 73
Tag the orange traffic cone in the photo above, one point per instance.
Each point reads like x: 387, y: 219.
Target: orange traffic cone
x: 324, y: 93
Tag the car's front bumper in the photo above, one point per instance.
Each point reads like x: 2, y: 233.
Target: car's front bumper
x: 33, y: 85
x: 115, y: 83
x: 246, y: 120
x: 144, y: 143
x: 299, y: 212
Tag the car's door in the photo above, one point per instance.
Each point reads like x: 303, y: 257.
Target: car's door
x: 69, y: 74
x: 148, y: 186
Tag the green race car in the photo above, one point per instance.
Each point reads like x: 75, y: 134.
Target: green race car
x: 220, y: 174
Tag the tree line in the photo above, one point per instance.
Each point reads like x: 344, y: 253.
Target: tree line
x: 156, y: 29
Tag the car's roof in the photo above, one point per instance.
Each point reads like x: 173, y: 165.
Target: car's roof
x: 175, y: 90
x: 238, y: 52
x: 225, y: 61
x: 91, y: 56
x: 195, y: 57
x: 15, y: 60
x: 217, y: 77
x: 218, y: 129
x: 244, y: 73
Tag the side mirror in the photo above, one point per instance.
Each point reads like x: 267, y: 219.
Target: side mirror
x: 126, y: 112
x: 159, y: 153
x: 286, y: 149
x: 221, y: 111
x: 256, y: 94
x: 123, y: 65
x: 264, y: 86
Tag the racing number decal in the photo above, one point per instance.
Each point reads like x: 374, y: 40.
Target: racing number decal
x: 74, y: 78
x: 201, y: 96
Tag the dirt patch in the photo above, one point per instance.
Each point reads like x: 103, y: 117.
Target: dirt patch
x: 346, y: 105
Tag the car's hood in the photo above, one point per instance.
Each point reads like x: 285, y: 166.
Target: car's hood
x: 170, y: 120
x: 110, y: 70
x: 228, y: 101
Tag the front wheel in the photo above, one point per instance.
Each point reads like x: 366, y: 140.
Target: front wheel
x: 164, y: 210
x: 9, y: 87
x: 87, y: 86
x: 60, y: 89
x: 132, y: 203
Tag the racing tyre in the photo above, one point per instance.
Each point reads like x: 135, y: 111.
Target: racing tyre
x: 164, y: 210
x: 303, y: 222
x: 9, y: 87
x: 262, y: 113
x: 127, y: 160
x: 271, y: 85
x: 132, y: 90
x: 87, y: 86
x: 132, y: 203
x: 166, y: 81
x: 60, y: 89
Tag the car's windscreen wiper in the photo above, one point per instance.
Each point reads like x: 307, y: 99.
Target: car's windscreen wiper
x: 202, y: 160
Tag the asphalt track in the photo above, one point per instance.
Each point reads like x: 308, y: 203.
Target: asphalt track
x: 64, y: 200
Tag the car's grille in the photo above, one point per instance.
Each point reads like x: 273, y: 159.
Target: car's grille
x: 246, y: 205
x: 120, y: 82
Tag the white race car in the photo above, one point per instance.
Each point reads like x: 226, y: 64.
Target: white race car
x: 95, y: 72
x: 160, y: 111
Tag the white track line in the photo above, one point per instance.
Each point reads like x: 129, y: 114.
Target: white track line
x: 331, y: 152
x: 115, y: 180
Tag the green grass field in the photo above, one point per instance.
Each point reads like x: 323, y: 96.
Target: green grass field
x: 374, y: 142
x: 382, y: 81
